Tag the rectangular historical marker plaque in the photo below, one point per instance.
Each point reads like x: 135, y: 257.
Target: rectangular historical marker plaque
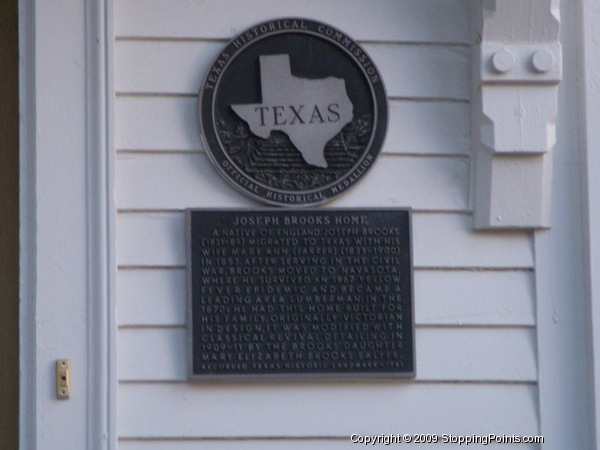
x: 311, y: 293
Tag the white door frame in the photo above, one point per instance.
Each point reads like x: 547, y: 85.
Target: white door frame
x: 67, y: 223
x: 589, y: 67
x: 561, y: 300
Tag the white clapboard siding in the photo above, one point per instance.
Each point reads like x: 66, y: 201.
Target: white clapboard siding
x: 473, y: 291
x: 175, y: 67
x: 325, y: 409
x: 151, y: 239
x: 290, y: 444
x: 388, y: 20
x: 164, y: 123
x: 439, y: 241
x: 157, y: 123
x: 151, y: 297
x: 428, y: 128
x: 163, y: 66
x: 240, y: 444
x: 423, y: 71
x: 182, y: 180
x: 442, y: 354
x: 445, y: 297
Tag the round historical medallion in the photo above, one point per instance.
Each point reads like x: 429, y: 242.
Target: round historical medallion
x: 293, y: 112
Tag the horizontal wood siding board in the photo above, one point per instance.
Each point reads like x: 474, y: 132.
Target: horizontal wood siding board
x: 442, y: 354
x: 476, y: 354
x: 439, y: 241
x: 164, y: 124
x: 324, y: 409
x: 237, y: 444
x: 390, y: 20
x: 163, y: 67
x: 160, y: 67
x: 157, y: 297
x: 152, y: 297
x: 430, y: 128
x: 423, y: 71
x: 182, y: 180
x: 277, y: 444
x: 157, y: 123
x: 474, y: 297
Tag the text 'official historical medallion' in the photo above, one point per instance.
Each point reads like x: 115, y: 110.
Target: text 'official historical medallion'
x: 293, y: 112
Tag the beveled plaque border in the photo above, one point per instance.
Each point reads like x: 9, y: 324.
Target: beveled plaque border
x: 227, y: 168
x: 312, y: 376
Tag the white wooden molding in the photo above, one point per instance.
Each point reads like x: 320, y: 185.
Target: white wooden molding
x: 563, y: 316
x: 101, y: 226
x: 590, y: 101
x: 67, y: 216
x: 517, y: 66
x: 27, y: 240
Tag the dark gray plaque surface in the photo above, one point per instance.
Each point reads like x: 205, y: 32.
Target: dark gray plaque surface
x: 300, y: 294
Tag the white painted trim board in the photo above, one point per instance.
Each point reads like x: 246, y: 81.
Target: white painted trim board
x: 67, y: 214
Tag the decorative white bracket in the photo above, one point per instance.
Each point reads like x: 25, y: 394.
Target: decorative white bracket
x: 517, y: 66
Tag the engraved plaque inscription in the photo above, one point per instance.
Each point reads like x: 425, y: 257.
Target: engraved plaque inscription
x: 300, y: 294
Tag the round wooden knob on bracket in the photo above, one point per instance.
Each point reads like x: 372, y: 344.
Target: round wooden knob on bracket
x: 503, y: 61
x: 542, y: 61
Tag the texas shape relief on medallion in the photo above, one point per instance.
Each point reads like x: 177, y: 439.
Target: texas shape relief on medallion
x: 310, y: 112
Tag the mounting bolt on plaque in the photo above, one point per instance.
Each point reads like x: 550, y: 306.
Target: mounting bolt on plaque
x: 293, y: 112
